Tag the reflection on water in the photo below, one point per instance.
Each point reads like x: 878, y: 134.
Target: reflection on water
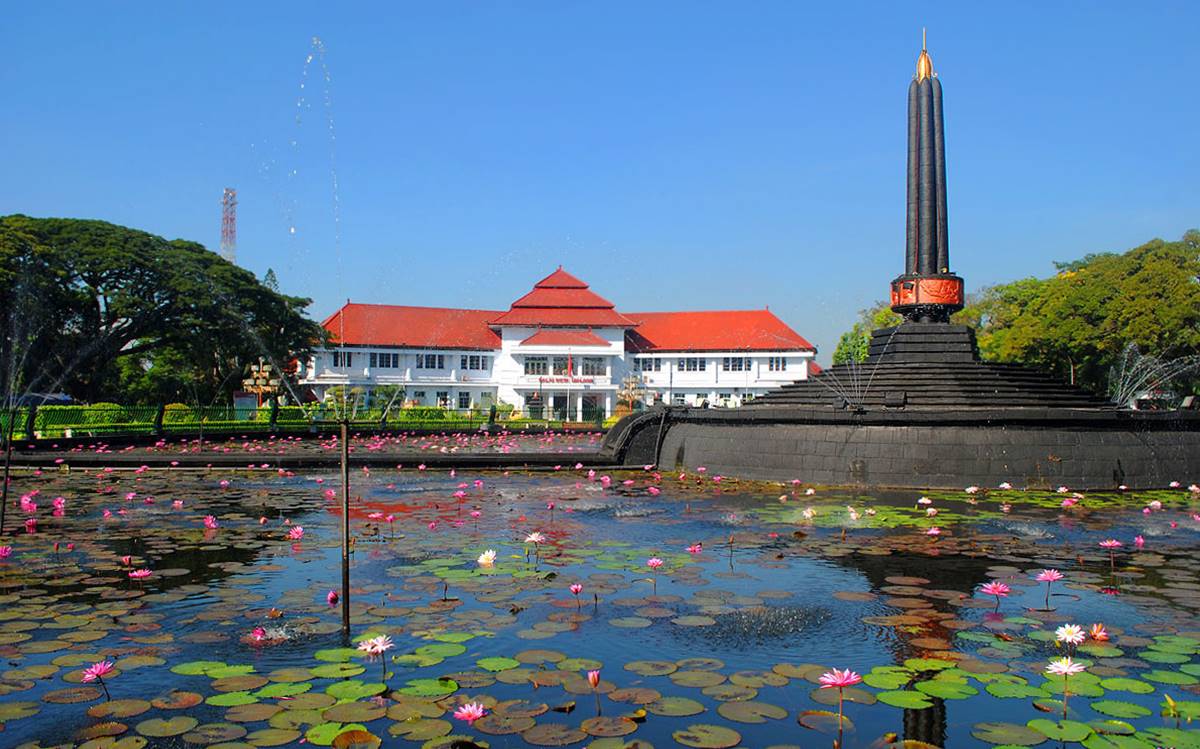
x: 768, y: 585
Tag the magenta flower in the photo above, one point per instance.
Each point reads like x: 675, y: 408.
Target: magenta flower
x: 296, y: 532
x: 96, y: 672
x: 5, y: 552
x: 332, y: 597
x: 470, y: 712
x: 695, y: 548
x: 836, y: 679
x: 575, y: 589
x: 839, y: 680
x: 1048, y: 577
x: 1111, y: 543
x: 654, y: 563
x: 210, y: 522
x: 141, y: 574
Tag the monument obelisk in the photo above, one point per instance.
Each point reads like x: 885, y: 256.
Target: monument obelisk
x: 927, y: 291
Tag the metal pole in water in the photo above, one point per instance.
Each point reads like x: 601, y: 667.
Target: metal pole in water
x: 345, y: 439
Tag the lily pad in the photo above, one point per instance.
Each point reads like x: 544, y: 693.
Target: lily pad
x: 1007, y: 734
x: 553, y: 734
x: 428, y: 688
x: 706, y: 736
x: 497, y: 663
x: 906, y: 699
x: 608, y: 726
x: 1061, y: 730
x: 675, y: 707
x: 1126, y: 685
x: 751, y: 712
x: 1120, y: 709
x: 164, y: 727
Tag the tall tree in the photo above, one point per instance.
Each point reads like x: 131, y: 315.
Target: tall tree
x: 118, y: 302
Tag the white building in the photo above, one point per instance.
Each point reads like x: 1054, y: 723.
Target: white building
x: 561, y: 351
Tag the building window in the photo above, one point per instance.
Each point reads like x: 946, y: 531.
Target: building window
x: 692, y: 364
x: 418, y: 396
x: 343, y: 359
x: 431, y: 361
x: 679, y: 400
x: 776, y: 364
x: 464, y: 401
x: 536, y: 365
x: 383, y: 361
x: 560, y: 365
x: 647, y: 364
x: 594, y: 366
x: 443, y: 399
x: 474, y: 361
x: 735, y: 364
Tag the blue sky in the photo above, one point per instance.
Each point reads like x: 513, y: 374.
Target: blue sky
x: 684, y: 155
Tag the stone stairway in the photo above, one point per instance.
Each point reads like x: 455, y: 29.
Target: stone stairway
x: 932, y: 366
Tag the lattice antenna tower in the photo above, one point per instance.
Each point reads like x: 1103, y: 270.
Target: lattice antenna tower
x: 229, y: 225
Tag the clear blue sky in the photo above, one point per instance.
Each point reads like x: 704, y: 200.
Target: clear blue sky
x: 681, y: 155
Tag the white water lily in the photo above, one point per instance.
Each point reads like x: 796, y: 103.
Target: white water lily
x: 487, y: 558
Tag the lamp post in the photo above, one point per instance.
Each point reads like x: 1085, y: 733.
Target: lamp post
x: 261, y: 380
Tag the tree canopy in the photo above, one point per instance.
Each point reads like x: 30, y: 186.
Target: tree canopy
x: 104, y: 312
x: 1079, y: 322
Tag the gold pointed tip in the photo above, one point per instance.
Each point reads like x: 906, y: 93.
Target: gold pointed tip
x: 924, y: 61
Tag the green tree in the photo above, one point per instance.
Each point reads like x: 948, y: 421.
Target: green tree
x: 122, y: 314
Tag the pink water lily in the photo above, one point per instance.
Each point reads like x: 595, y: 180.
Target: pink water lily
x: 141, y: 574
x: 839, y: 680
x: 210, y: 522
x: 295, y: 533
x: 999, y: 590
x: 5, y: 552
x: 1048, y: 577
x: 695, y: 548
x: 96, y: 672
x: 470, y: 712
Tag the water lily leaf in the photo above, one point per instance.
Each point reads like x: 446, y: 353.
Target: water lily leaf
x: 229, y: 699
x: 16, y: 710
x: 164, y: 727
x: 72, y: 695
x: 338, y: 670
x: 283, y: 690
x: 1100, y: 650
x: 428, y: 688
x: 649, y: 668
x: 1112, y: 727
x: 1098, y: 741
x: 675, y: 707
x: 214, y: 733
x: 441, y: 650
x: 126, y: 708
x: 497, y: 663
x: 224, y: 672
x: 500, y: 724
x: 824, y: 721
x: 1160, y: 656
x: 337, y: 655
x: 196, y: 668
x: 906, y: 699
x: 608, y: 726
x: 1170, y: 677
x: 354, y: 712
x: 705, y: 736
x: 888, y: 677
x: 1173, y: 737
x: 1007, y: 734
x: 578, y: 664
x: 325, y: 733
x: 849, y: 694
x: 1119, y: 709
x: 730, y: 692
x: 751, y: 712
x: 272, y: 737
x: 1015, y: 691
x: 177, y: 700
x: 553, y: 734
x: 356, y: 739
x: 1126, y: 685
x: 927, y: 664
x: 421, y: 729
x: 1061, y: 730
x: 946, y: 690
x: 697, y: 679
x: 355, y: 689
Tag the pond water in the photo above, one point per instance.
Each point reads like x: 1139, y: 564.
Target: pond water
x: 723, y: 645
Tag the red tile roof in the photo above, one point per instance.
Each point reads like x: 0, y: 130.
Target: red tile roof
x: 560, y: 337
x: 416, y: 327
x: 562, y: 300
x: 733, y: 330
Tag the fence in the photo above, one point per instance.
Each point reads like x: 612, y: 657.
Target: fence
x: 111, y: 419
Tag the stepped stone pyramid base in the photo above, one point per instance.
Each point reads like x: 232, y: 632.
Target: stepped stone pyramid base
x: 923, y: 411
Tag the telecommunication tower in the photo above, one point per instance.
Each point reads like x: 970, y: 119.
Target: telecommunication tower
x: 229, y: 225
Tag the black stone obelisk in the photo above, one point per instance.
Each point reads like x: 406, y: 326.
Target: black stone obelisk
x: 927, y: 291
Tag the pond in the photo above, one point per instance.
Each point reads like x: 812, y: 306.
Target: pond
x: 230, y: 640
